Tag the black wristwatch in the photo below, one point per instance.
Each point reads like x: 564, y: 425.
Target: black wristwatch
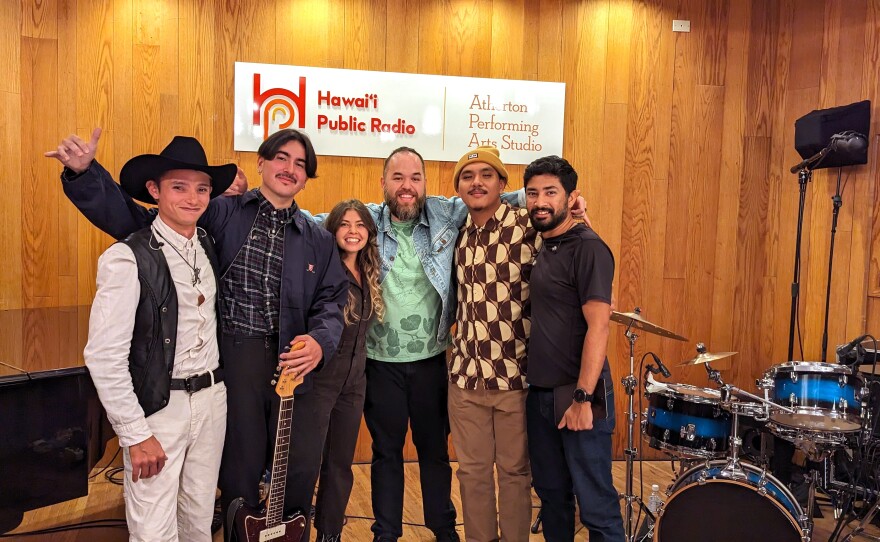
x: 581, y: 396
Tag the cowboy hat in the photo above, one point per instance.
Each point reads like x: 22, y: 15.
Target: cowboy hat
x: 181, y: 153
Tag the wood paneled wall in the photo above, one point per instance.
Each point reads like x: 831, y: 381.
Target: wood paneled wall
x: 682, y: 140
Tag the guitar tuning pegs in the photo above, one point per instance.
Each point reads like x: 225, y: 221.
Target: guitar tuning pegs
x: 273, y: 381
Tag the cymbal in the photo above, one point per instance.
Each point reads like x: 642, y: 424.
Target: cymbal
x: 706, y: 357
x: 635, y: 320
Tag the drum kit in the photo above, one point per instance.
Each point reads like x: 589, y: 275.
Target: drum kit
x: 721, y: 493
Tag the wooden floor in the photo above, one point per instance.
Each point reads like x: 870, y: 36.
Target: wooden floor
x: 105, y: 501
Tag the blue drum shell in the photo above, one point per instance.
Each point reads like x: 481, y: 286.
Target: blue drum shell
x: 818, y: 390
x: 673, y: 414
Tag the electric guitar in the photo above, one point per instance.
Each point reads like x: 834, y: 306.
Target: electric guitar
x: 269, y: 523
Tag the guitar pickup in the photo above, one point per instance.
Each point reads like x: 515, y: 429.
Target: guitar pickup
x: 273, y: 533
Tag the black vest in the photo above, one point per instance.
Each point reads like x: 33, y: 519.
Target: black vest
x: 153, y: 342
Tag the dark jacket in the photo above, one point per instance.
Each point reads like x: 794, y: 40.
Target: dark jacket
x: 154, y: 340
x: 313, y: 283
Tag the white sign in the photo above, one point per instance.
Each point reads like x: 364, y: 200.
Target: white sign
x: 363, y: 113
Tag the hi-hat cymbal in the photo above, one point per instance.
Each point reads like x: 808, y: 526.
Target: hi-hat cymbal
x: 635, y: 320
x: 706, y: 357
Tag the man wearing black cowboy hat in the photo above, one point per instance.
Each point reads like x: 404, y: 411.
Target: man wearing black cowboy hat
x: 281, y: 282
x: 153, y: 353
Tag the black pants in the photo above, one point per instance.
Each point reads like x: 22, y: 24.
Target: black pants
x: 252, y: 419
x: 334, y: 489
x: 411, y: 393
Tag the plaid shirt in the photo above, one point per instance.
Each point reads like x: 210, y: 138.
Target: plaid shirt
x: 492, y: 265
x: 251, y: 287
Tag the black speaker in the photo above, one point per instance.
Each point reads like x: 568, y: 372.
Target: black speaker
x: 814, y: 131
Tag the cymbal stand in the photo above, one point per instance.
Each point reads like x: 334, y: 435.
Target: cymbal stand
x: 629, y: 385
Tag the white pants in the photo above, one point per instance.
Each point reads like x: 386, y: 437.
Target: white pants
x: 178, y: 503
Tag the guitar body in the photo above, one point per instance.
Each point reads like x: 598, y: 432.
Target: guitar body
x: 270, y: 524
x: 250, y: 526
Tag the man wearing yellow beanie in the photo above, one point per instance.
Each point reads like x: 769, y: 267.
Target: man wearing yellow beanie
x: 493, y: 260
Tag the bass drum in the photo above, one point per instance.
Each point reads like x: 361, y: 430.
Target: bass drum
x: 704, y: 506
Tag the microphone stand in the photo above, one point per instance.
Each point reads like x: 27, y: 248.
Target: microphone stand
x: 836, y: 202
x: 804, y: 169
x: 805, y: 174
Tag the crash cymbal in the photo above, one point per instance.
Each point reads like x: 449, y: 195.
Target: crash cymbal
x: 706, y: 357
x: 635, y: 320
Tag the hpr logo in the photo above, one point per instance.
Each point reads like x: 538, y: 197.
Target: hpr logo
x: 279, y: 101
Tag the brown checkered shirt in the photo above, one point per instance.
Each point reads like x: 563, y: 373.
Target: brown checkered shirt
x: 492, y: 266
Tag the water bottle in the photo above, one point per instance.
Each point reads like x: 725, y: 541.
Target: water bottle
x: 646, y: 532
x: 654, y: 501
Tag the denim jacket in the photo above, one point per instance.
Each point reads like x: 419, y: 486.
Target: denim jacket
x: 434, y: 238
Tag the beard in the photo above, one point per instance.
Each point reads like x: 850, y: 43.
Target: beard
x: 404, y: 213
x: 555, y: 219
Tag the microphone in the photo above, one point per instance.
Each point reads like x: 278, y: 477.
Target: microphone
x: 847, y: 143
x: 663, y: 369
x: 843, y: 351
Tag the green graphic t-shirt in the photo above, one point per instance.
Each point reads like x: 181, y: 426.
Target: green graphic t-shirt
x: 412, y: 307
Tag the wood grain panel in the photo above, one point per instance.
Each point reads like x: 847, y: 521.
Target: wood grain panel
x: 806, y: 49
x: 39, y: 223
x: 735, y: 80
x: 682, y: 158
x: 245, y: 41
x: 702, y: 225
x: 530, y: 40
x: 585, y: 56
x: 620, y: 15
x: 39, y: 19
x: 93, y: 61
x: 401, y: 14
x: 763, y: 38
x: 119, y: 121
x: 751, y: 234
x: 11, y: 285
x: 468, y: 43
x: 66, y: 123
x: 196, y: 99
x: 146, y: 101
x: 508, y: 26
x: 712, y: 37
x: 550, y: 19
x: 432, y: 50
x: 10, y: 47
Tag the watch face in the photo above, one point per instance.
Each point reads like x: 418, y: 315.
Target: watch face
x: 581, y: 396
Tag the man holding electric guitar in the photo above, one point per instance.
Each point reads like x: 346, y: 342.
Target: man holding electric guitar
x: 280, y: 282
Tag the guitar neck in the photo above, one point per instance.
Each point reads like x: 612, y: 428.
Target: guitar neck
x: 275, y: 501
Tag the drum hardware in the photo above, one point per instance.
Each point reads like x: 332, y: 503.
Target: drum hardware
x: 705, y: 357
x: 634, y: 321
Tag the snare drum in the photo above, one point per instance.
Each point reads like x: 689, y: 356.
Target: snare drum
x: 826, y: 397
x: 703, y: 505
x: 686, y: 420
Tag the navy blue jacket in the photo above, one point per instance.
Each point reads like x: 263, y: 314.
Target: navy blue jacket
x: 314, y: 286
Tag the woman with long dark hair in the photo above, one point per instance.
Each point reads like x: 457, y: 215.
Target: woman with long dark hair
x: 355, y: 232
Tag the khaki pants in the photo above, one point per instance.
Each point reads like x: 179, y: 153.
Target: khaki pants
x: 178, y: 503
x: 489, y: 430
